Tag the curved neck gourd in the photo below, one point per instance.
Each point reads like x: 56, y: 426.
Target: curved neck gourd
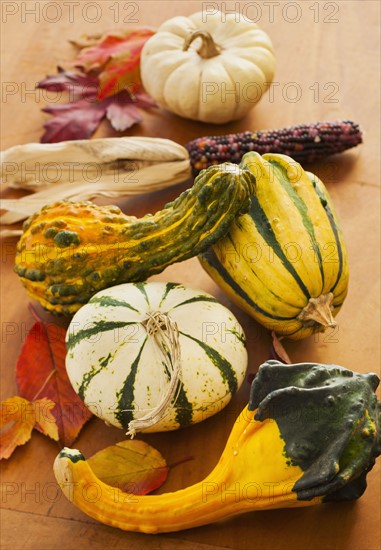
x: 310, y: 433
x: 70, y: 251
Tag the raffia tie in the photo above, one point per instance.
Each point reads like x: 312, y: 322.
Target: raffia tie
x: 165, y: 334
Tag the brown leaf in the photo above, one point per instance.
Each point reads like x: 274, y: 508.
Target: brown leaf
x: 40, y: 372
x: 86, y: 40
x: 277, y: 350
x: 18, y: 417
x: 131, y: 465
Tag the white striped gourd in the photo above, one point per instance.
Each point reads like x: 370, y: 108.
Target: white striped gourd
x: 117, y: 368
x: 285, y: 261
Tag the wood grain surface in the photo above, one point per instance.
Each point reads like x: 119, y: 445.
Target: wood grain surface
x: 329, y: 52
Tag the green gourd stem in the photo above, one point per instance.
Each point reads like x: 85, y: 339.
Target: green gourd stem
x: 208, y: 46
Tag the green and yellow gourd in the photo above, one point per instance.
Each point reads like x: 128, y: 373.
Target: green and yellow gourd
x: 310, y: 434
x: 71, y: 250
x: 285, y: 261
x: 155, y: 356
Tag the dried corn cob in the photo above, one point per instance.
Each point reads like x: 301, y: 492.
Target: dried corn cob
x: 304, y: 143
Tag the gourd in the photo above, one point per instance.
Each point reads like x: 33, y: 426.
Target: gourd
x: 310, y: 434
x: 212, y: 67
x: 284, y: 262
x: 71, y: 250
x: 155, y: 356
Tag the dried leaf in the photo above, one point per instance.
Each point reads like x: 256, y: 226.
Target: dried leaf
x: 40, y: 372
x: 121, y: 118
x: 45, y: 420
x: 132, y: 465
x: 78, y: 85
x: 86, y: 40
x: 76, y: 120
x: 81, y: 116
x: 277, y: 350
x: 17, y: 420
x: 123, y: 110
x: 117, y: 57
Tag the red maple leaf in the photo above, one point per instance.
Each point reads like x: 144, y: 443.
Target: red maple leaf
x: 116, y: 59
x: 40, y: 372
x: 80, y: 117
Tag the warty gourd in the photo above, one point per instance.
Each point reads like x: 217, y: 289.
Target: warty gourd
x: 310, y: 434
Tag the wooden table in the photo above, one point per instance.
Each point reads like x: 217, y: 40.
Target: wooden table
x: 329, y: 52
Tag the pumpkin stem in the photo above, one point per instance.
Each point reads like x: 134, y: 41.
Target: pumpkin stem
x: 165, y: 334
x: 208, y: 46
x: 318, y: 310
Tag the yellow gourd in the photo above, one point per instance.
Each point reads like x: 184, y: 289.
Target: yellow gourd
x: 284, y: 262
x: 310, y: 434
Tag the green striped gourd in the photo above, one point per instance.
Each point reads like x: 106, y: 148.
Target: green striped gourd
x: 122, y: 356
x: 71, y: 250
x: 285, y: 261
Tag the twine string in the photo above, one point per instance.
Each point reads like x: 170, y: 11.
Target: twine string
x: 165, y: 334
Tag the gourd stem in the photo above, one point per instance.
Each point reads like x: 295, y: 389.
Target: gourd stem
x: 165, y: 334
x: 318, y: 310
x: 208, y: 46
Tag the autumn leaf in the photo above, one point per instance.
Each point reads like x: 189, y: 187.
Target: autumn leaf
x: 132, y: 466
x: 45, y: 420
x: 116, y: 58
x: 78, y: 85
x: 76, y: 120
x: 41, y: 373
x: 18, y: 418
x: 277, y: 350
x: 80, y: 118
x: 106, y: 85
x: 87, y: 40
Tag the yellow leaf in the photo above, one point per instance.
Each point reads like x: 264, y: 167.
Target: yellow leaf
x: 44, y: 417
x: 131, y: 465
x: 17, y: 419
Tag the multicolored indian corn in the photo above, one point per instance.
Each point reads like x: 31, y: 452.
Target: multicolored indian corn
x: 304, y: 143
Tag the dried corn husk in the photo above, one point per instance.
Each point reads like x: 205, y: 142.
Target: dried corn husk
x: 85, y: 169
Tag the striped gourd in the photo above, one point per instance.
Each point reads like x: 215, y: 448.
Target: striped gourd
x: 285, y: 261
x: 122, y: 356
x: 71, y: 250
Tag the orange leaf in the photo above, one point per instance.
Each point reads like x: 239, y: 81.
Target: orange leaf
x: 117, y: 58
x: 131, y: 465
x: 40, y: 372
x: 18, y: 417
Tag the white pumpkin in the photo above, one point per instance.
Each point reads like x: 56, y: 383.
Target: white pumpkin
x: 129, y: 373
x: 212, y: 67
